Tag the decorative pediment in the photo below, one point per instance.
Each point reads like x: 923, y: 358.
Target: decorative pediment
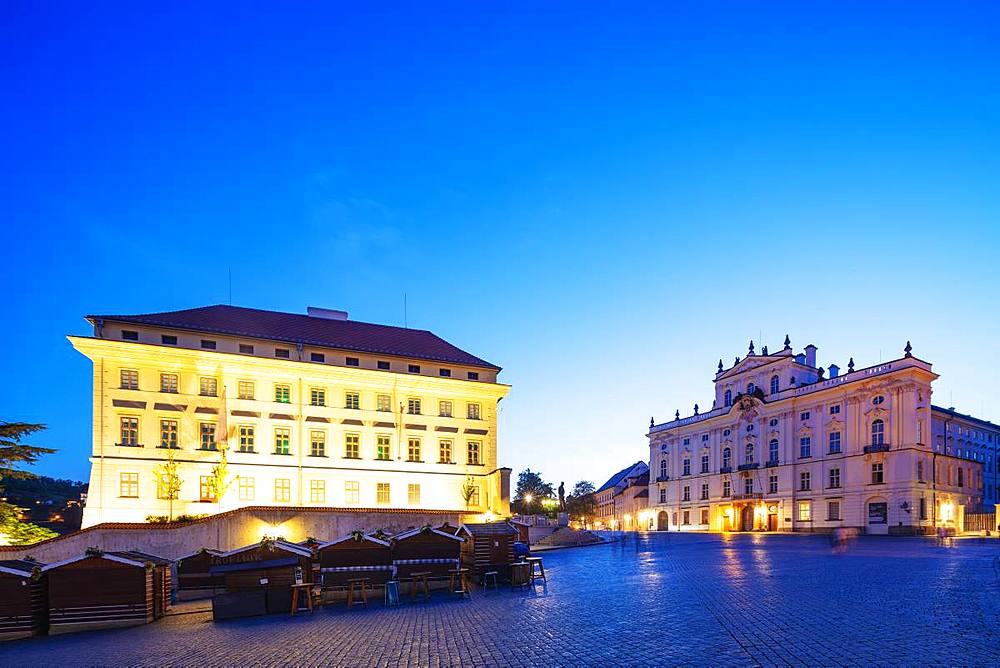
x: 805, y: 430
x: 774, y: 433
x: 749, y: 364
x: 834, y: 425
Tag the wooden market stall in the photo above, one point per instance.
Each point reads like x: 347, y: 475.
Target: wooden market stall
x: 100, y: 590
x: 426, y: 550
x: 23, y: 599
x: 488, y: 547
x: 355, y: 555
x: 193, y: 577
x: 258, y: 578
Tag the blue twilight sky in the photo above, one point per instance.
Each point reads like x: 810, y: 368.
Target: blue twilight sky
x: 603, y: 198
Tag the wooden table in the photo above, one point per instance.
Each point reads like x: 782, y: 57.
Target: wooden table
x: 304, y: 588
x: 421, y: 577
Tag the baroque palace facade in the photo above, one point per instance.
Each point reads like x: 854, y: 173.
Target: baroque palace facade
x: 786, y: 447
x: 260, y: 408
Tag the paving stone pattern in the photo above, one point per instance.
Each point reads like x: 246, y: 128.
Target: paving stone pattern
x: 661, y: 599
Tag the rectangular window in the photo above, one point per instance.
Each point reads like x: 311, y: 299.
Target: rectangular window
x: 130, y: 379
x: 352, y: 400
x: 413, y: 450
x: 352, y: 446
x: 128, y: 485
x: 833, y: 511
x: 835, y: 409
x: 245, y: 389
x: 444, y: 373
x: 772, y: 451
x: 130, y: 335
x: 413, y: 406
x: 805, y: 447
x: 923, y: 508
x: 686, y: 516
x: 473, y: 375
x: 663, y: 496
x: 772, y: 483
x: 283, y: 394
x: 206, y: 489
x: 282, y: 490
x: 168, y: 434
x: 413, y: 368
x: 413, y: 494
x: 474, y: 453
x: 247, y: 488
x: 352, y: 361
x: 704, y: 463
x: 281, y: 352
x: 382, y: 493
x: 168, y: 339
x: 382, y: 447
x: 686, y: 493
x: 878, y: 476
x: 805, y: 511
x: 130, y: 431
x: 317, y: 357
x: 726, y: 488
x: 206, y: 436
x: 382, y: 365
x: 208, y: 387
x: 246, y: 349
x: 168, y: 383
x: 208, y: 344
x: 444, y: 408
x: 317, y: 491
x: 444, y: 451
x: 246, y: 438
x: 920, y: 470
x: 803, y: 416
x: 748, y: 485
x: 472, y: 411
x: 834, y: 442
x: 474, y: 499
x: 317, y: 396
x: 704, y: 515
x: 352, y: 492
x: 961, y: 477
x: 805, y: 480
x: 704, y: 491
x: 317, y: 444
x: 384, y: 403
x: 834, y: 482
x: 686, y: 467
x: 282, y: 436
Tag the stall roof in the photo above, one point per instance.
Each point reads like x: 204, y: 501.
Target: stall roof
x: 414, y: 532
x: 253, y: 565
x: 367, y: 537
x: 19, y: 566
x: 489, y: 529
x: 284, y: 545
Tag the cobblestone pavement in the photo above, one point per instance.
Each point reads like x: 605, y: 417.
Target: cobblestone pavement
x: 654, y: 600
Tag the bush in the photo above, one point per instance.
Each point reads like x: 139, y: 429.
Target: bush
x: 164, y: 519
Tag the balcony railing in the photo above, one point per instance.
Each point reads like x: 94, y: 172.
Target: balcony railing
x: 663, y: 478
x: 771, y: 462
x: 748, y: 497
x: 749, y: 466
x: 726, y: 469
x: 876, y: 447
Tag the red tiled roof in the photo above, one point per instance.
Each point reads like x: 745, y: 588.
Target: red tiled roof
x: 310, y: 330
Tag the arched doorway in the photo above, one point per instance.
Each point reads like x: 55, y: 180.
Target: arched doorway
x: 746, y: 518
x: 661, y: 521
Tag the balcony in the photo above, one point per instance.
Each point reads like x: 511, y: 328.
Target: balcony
x: 749, y: 466
x: 663, y: 478
x: 726, y: 469
x: 771, y: 463
x: 753, y: 496
x: 876, y: 447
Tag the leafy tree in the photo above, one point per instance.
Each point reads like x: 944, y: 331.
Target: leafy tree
x: 168, y: 483
x: 220, y: 474
x: 530, y: 483
x: 13, y: 453
x: 581, y: 503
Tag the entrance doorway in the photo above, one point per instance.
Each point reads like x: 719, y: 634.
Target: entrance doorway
x: 746, y: 518
x: 661, y: 521
x: 772, y: 521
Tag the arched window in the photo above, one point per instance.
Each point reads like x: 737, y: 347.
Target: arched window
x: 663, y: 468
x: 775, y: 384
x: 729, y: 398
x: 751, y: 388
x: 727, y: 457
x: 749, y: 457
x: 878, y: 432
x: 878, y: 400
x: 772, y: 451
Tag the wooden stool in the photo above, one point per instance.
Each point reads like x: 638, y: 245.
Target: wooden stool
x: 490, y: 575
x: 420, y: 577
x: 304, y: 589
x: 540, y: 573
x: 461, y: 574
x: 355, y: 582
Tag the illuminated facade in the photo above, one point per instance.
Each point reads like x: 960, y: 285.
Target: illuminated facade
x: 621, y: 502
x: 262, y: 408
x: 787, y: 446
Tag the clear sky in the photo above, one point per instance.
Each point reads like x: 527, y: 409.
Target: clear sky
x: 604, y: 199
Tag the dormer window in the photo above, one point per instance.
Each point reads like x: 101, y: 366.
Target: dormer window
x: 729, y: 398
x: 775, y: 384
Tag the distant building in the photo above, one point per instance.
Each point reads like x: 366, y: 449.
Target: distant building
x: 972, y: 439
x: 310, y: 410
x: 788, y: 446
x: 623, y: 498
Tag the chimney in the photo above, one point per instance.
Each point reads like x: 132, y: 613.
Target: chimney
x: 326, y: 313
x: 811, y: 355
x: 834, y: 371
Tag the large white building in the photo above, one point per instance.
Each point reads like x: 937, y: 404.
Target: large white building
x: 258, y: 408
x: 789, y: 446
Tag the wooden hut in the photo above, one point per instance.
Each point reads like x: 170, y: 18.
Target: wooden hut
x: 23, y: 608
x: 193, y: 577
x: 426, y: 550
x: 100, y: 590
x: 258, y: 578
x: 488, y: 547
x: 356, y: 555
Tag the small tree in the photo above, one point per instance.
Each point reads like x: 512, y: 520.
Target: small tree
x: 168, y: 483
x: 12, y: 453
x: 220, y: 474
x: 468, y: 490
x: 530, y: 491
x: 581, y: 503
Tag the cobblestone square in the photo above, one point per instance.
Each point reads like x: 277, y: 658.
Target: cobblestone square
x: 659, y: 599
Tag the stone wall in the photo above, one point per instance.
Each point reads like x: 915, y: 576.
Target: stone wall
x: 229, y: 530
